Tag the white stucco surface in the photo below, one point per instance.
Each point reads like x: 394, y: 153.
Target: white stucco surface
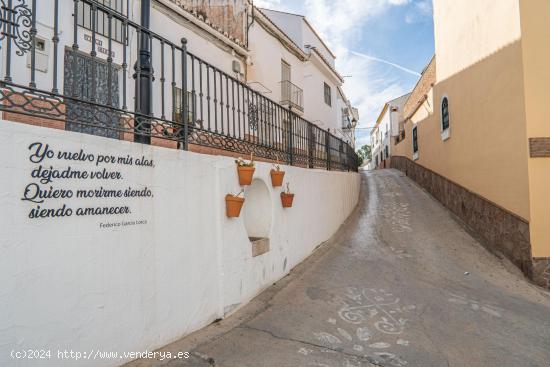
x: 73, y: 283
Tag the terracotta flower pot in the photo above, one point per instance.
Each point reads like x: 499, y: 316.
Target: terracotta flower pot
x: 277, y: 177
x: 233, y: 205
x: 287, y: 199
x: 245, y: 175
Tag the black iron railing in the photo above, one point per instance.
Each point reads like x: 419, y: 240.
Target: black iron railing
x: 86, y: 88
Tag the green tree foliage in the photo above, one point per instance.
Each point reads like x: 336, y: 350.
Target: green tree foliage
x: 364, y: 153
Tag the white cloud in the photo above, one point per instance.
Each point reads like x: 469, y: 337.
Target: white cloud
x: 340, y: 23
x: 420, y: 12
x: 370, y: 88
x: 425, y: 7
x: 268, y: 4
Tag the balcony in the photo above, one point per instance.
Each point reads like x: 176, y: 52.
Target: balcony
x: 80, y: 78
x: 292, y: 95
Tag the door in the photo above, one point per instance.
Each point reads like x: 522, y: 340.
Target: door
x: 286, y: 75
x: 90, y: 79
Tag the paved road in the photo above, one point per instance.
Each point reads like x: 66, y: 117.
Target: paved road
x: 401, y: 284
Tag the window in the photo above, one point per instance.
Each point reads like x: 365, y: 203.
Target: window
x: 328, y: 95
x: 415, y: 142
x: 445, y: 113
x: 286, y: 71
x: 387, y: 152
x: 102, y: 18
x: 177, y: 103
x: 286, y: 87
x: 445, y: 118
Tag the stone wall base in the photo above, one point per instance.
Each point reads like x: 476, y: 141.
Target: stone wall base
x: 541, y: 271
x: 499, y: 229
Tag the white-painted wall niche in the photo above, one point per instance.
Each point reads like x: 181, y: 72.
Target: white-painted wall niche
x: 258, y: 211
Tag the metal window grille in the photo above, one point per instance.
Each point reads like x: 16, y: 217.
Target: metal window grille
x: 445, y: 113
x: 102, y: 18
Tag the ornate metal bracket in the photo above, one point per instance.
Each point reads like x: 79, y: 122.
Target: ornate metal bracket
x: 253, y: 116
x: 15, y: 24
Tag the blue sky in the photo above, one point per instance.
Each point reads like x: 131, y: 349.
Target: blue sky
x: 382, y: 44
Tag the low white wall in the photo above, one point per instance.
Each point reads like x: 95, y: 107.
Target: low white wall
x: 75, y: 283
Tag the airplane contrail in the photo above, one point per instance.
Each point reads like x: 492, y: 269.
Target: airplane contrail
x: 386, y: 62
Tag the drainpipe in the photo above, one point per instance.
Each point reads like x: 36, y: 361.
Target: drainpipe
x: 144, y: 78
x: 249, y: 25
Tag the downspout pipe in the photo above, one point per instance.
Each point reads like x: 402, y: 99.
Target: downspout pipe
x: 144, y: 78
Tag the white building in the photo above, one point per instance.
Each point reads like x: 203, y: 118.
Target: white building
x: 308, y: 81
x: 387, y: 127
x: 349, y: 116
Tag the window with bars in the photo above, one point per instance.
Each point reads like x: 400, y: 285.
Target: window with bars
x: 415, y: 139
x: 102, y: 19
x: 328, y: 95
x: 445, y: 122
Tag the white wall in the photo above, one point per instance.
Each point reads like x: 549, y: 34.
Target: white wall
x: 296, y: 27
x: 396, y: 117
x: 310, y: 75
x: 380, y: 138
x: 311, y: 38
x: 266, y: 53
x: 70, y: 284
x: 315, y: 108
x: 292, y: 24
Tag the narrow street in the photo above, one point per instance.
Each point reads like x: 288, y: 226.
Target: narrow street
x: 401, y: 284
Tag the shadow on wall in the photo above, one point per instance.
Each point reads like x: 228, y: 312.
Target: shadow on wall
x: 486, y: 151
x: 480, y: 173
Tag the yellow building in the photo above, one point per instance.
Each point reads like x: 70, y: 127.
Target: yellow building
x: 475, y: 131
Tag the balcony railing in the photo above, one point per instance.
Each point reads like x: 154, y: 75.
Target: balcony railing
x: 292, y: 95
x: 80, y: 80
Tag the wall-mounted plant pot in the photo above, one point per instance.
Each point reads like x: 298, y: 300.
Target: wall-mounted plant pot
x: 287, y: 199
x: 245, y: 175
x: 277, y: 177
x: 233, y: 205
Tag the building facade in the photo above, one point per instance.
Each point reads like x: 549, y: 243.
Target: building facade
x: 308, y: 82
x: 474, y: 130
x: 388, y: 129
x: 234, y: 102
